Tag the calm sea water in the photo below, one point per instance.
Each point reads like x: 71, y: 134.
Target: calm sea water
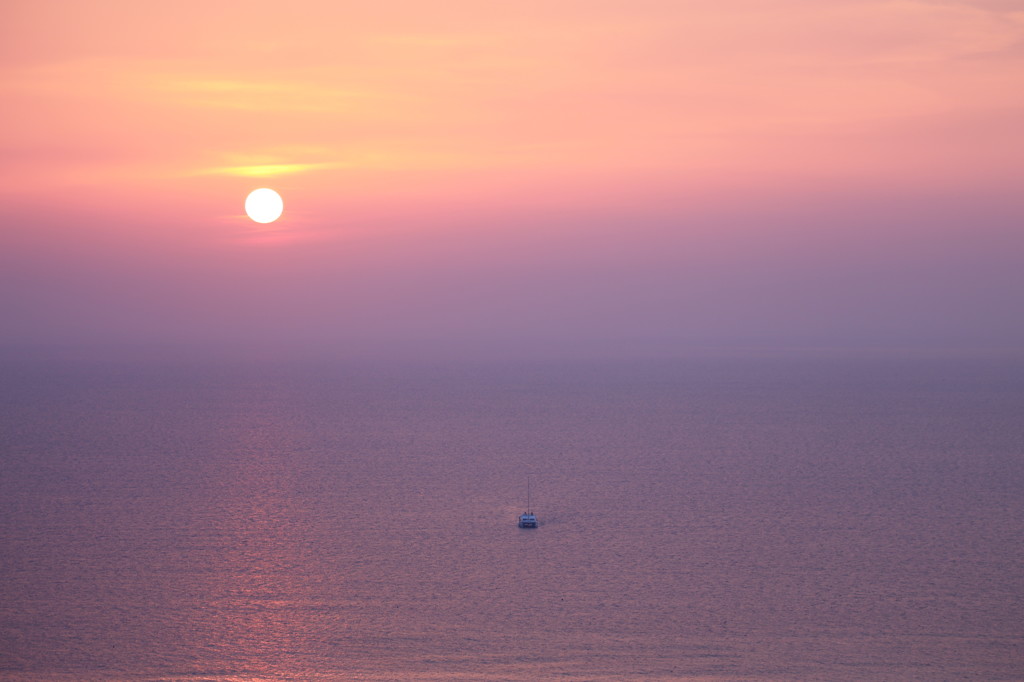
x: 771, y: 518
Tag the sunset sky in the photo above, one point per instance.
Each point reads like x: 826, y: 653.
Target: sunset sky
x: 554, y: 178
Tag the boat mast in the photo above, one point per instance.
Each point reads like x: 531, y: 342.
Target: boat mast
x: 529, y: 507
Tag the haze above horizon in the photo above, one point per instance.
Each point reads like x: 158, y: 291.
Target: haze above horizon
x: 541, y: 179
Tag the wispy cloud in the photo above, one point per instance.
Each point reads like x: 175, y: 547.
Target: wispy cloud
x: 261, y: 170
x: 282, y: 95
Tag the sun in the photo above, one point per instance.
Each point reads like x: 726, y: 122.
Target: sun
x: 264, y: 205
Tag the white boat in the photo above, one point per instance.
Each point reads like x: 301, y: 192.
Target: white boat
x: 528, y: 519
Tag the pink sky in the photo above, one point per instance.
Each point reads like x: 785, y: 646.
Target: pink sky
x: 610, y: 178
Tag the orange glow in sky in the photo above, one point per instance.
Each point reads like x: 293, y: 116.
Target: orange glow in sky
x: 541, y: 119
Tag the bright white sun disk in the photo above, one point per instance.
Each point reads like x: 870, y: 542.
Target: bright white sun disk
x: 264, y: 205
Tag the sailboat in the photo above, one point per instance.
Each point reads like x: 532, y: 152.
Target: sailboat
x: 527, y: 519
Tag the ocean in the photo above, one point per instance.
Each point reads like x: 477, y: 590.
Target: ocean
x: 804, y: 517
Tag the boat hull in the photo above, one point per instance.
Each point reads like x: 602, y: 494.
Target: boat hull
x: 527, y: 521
